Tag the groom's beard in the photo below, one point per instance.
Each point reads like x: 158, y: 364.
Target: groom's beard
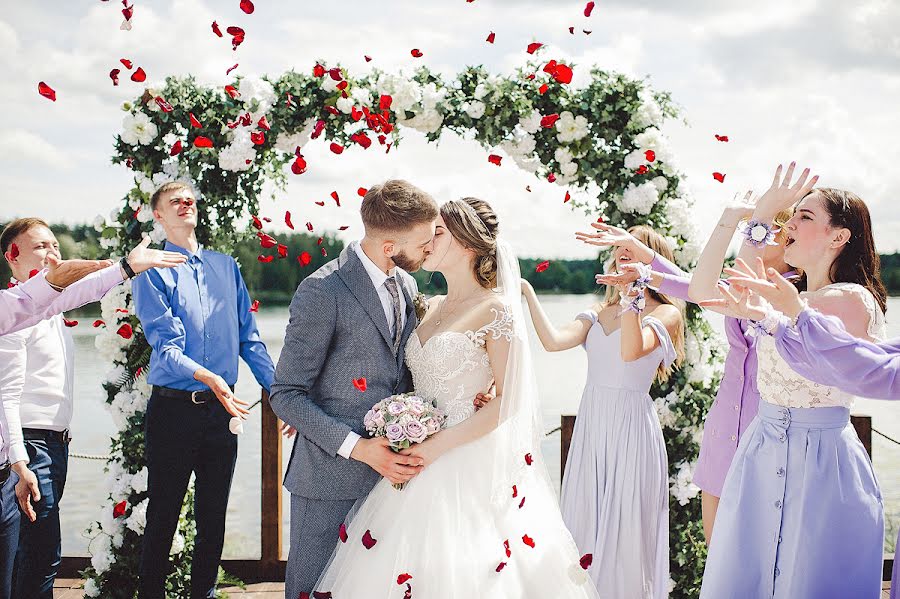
x: 406, y: 263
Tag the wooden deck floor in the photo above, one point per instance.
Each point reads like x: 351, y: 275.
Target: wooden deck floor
x: 71, y: 589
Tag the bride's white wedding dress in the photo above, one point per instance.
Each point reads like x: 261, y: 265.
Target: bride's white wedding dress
x: 443, y: 529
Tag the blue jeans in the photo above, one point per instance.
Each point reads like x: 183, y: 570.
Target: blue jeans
x: 182, y: 437
x: 39, y: 552
x: 9, y: 533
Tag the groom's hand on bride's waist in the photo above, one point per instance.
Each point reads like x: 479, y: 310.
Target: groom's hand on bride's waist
x: 481, y: 400
x: 389, y: 464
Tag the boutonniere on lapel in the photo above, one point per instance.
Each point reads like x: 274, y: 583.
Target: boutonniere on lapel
x: 421, y: 306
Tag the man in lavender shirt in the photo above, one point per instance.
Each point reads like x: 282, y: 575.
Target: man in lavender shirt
x: 63, y: 285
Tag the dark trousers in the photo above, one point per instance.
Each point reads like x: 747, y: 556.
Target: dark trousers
x: 39, y: 552
x: 9, y: 533
x: 182, y: 437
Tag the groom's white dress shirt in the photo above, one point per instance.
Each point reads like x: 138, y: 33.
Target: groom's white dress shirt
x: 378, y: 278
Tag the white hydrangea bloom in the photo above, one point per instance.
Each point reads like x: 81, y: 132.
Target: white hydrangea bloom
x: 571, y: 128
x: 361, y: 95
x: 681, y: 485
x: 638, y: 199
x: 138, y: 129
x: 664, y: 411
x: 531, y: 123
x: 255, y: 88
x: 660, y: 183
x: 480, y: 91
x: 289, y: 143
x: 91, y: 589
x: 157, y: 234
x: 235, y: 156
x: 139, y: 480
x: 138, y: 518
x: 177, y: 544
x: 474, y: 109
x: 568, y: 169
x: 648, y: 114
x: 345, y: 105
x: 563, y: 155
x: 329, y: 84
x: 145, y: 214
x: 426, y: 121
x: 635, y: 159
x: 101, y: 556
x: 432, y: 96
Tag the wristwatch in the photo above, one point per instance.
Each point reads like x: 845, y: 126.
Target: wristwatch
x: 126, y: 268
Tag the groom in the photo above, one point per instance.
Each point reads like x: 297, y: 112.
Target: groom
x: 343, y: 352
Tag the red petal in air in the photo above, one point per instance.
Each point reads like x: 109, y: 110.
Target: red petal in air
x: 342, y: 533
x: 642, y: 170
x: 361, y: 192
x: 533, y: 47
x: 367, y: 540
x: 360, y: 384
x: 317, y: 129
x: 202, y: 142
x: 562, y: 73
x: 572, y: 30
x: 362, y: 139
x: 356, y: 114
x: 282, y: 250
x: 266, y: 241
x: 567, y: 198
x: 549, y: 120
x: 491, y: 37
x: 194, y: 122
x: 231, y: 68
x: 722, y: 138
x: 125, y: 331
x: 515, y: 491
x: 343, y: 228
x: 336, y: 148
x: 528, y: 188
x: 541, y: 268
x: 551, y: 177
x: 298, y: 167
x: 543, y: 89
x: 318, y: 204
x: 494, y: 159
x: 586, y: 560
x: 528, y: 459
x: 650, y: 155
x: 114, y: 75
x: 254, y: 307
x: 528, y: 541
x: 163, y: 105
x: 98, y: 323
x: 258, y: 137
x: 304, y: 259
x: 119, y: 509
x: 232, y: 91
x: 216, y: 30
x: 336, y: 198
x: 367, y: 57
x: 720, y: 177
x: 587, y: 32
x: 47, y: 91
x: 506, y: 548
x: 319, y: 70
x: 139, y: 76
x: 521, y: 503
x: 121, y: 311
x: 247, y: 6
x: 342, y: 86
x: 403, y: 578
x: 70, y: 323
x: 500, y: 566
x: 319, y: 242
x: 416, y: 53
x: 256, y: 222
x: 262, y: 123
x: 335, y: 73
x: 287, y: 219
x: 265, y: 259
x: 127, y: 63
x: 176, y: 148
x: 384, y: 103
x: 309, y: 226
x: 237, y: 36
x: 588, y: 8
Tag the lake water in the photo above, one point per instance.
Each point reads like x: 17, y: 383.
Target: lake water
x: 560, y: 378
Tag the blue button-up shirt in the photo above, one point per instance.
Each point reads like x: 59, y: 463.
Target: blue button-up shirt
x: 195, y: 315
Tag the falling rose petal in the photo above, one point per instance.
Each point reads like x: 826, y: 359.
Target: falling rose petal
x: 194, y: 122
x: 588, y: 8
x: 266, y: 241
x: 139, y: 76
x: 506, y: 548
x: 176, y: 148
x: 500, y: 566
x: 367, y: 57
x: 125, y: 331
x: 491, y: 37
x: 342, y: 533
x: 543, y: 89
x: 587, y: 32
x: 202, y: 142
x: 216, y: 30
x: 384, y: 102
x: 47, y: 91
x: 343, y: 85
x: 254, y: 307
x: 567, y: 198
x: 258, y: 138
x: 343, y: 227
x: 650, y: 155
x: 720, y: 177
x: 586, y: 560
x: 416, y: 53
x: 403, y: 578
x: 114, y: 75
x: 126, y: 63
x: 562, y: 73
x: 494, y: 159
x: 522, y: 503
x: 33, y: 273
x: 128, y: 11
x: 256, y: 222
x: 549, y: 120
x: 298, y: 167
x: 642, y: 170
x: 98, y: 323
x: 70, y: 323
x: 335, y: 73
x: 237, y: 36
x: 336, y: 148
x: 282, y: 251
x: 262, y: 123
x: 356, y: 114
x: 515, y: 491
x: 361, y: 192
x: 600, y: 219
x: 304, y: 259
x: 119, y: 509
x: 287, y: 220
x: 121, y: 311
x: 362, y: 139
x: 231, y: 68
x: 163, y: 105
x: 542, y: 266
x: 533, y: 47
x: 722, y: 138
x: 319, y: 242
x: 265, y: 259
x: 232, y: 91
x: 336, y: 198
x: 528, y: 541
x: 551, y: 177
x: 323, y: 252
x: 248, y: 7
x: 572, y: 30
x: 367, y: 540
x: 318, y: 71
x: 321, y: 203
x: 528, y: 459
x: 317, y: 129
x: 309, y: 227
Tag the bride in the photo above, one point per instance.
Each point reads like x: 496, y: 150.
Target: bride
x: 481, y: 519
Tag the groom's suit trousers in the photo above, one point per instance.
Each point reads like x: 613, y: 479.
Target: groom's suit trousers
x: 315, y: 525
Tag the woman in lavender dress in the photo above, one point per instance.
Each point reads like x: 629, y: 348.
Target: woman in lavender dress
x: 615, y: 487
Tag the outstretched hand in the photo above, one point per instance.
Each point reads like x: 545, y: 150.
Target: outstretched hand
x: 143, y: 258
x: 629, y: 274
x: 62, y: 273
x: 782, y: 195
x: 778, y: 291
x: 606, y: 236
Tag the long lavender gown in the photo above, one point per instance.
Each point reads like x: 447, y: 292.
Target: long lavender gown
x: 615, y: 494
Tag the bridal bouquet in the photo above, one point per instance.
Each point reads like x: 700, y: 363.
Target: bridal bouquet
x: 403, y: 419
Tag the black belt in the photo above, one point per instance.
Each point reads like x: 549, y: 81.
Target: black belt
x: 41, y: 434
x: 5, y: 469
x: 197, y: 397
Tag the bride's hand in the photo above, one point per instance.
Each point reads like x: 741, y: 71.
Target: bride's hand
x: 428, y: 451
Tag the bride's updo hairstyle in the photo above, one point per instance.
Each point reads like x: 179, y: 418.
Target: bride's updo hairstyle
x: 473, y: 223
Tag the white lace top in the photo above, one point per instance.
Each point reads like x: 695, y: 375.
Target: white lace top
x: 780, y: 385
x: 453, y: 367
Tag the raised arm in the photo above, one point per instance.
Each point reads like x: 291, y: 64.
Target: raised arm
x: 568, y: 336
x: 639, y: 339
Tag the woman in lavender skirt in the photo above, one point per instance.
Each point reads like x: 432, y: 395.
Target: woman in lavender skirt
x: 615, y: 486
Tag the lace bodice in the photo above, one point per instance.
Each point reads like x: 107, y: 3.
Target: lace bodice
x: 780, y: 385
x: 452, y: 367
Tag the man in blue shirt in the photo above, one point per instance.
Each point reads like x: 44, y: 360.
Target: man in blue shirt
x: 196, y: 318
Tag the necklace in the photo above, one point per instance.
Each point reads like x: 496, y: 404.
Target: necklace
x: 459, y: 304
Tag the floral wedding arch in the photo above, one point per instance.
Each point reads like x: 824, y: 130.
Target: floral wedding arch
x: 601, y: 140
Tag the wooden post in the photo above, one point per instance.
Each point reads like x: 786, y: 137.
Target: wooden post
x: 863, y: 426
x: 270, y: 525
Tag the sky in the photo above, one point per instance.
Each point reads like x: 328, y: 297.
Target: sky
x: 816, y: 81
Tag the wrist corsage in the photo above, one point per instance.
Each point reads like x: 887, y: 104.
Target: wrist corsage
x: 633, y: 303
x: 759, y: 234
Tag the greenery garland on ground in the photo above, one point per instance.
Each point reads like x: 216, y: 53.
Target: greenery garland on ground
x: 601, y: 143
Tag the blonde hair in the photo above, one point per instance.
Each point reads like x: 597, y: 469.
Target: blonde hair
x: 658, y: 244
x: 474, y: 224
x: 166, y: 188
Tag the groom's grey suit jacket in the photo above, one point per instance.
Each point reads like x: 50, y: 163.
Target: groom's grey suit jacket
x: 338, y: 332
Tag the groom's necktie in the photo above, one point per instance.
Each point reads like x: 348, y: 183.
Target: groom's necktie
x: 391, y: 284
